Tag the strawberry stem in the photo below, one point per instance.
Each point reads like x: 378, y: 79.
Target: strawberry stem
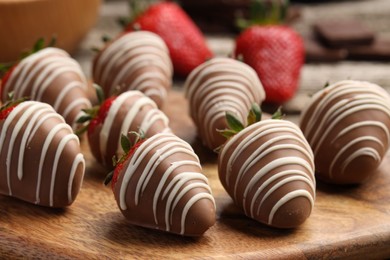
x: 278, y: 114
x: 12, y: 102
x: 263, y: 12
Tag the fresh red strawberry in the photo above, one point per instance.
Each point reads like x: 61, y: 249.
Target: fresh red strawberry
x: 276, y: 53
x: 185, y: 41
x: 7, y: 108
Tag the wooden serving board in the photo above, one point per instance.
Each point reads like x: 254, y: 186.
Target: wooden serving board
x: 351, y: 222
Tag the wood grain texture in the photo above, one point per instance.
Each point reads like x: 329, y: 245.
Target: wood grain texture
x: 348, y: 222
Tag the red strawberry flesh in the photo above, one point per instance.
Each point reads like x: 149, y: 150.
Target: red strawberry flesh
x: 185, y: 41
x: 5, y: 78
x: 101, y: 115
x: 276, y: 53
x: 120, y: 165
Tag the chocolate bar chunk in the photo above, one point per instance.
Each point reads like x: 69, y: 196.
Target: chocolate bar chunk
x: 315, y: 52
x: 379, y: 50
x: 343, y: 33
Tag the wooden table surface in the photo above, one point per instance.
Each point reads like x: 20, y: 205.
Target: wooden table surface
x: 347, y: 222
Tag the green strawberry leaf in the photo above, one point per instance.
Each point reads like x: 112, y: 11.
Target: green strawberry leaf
x: 108, y: 178
x: 254, y: 114
x: 227, y: 133
x: 125, y: 143
x: 83, y: 119
x: 233, y: 122
x: 278, y: 114
x: 99, y: 93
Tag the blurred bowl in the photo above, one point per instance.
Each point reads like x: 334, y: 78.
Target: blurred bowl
x: 23, y: 22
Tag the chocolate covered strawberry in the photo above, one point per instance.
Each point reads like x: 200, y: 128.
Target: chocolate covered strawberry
x: 268, y: 170
x: 40, y: 158
x: 186, y: 43
x: 135, y: 61
x: 159, y: 185
x: 220, y: 85
x: 117, y: 115
x: 51, y: 76
x: 276, y: 52
x: 348, y: 126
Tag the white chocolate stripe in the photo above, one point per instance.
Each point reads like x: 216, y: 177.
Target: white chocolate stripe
x: 361, y: 152
x: 135, y: 64
x: 175, y: 185
x: 287, y: 198
x: 17, y: 128
x: 65, y: 92
x: 226, y: 66
x: 344, y: 107
x: 273, y: 165
x: 358, y: 125
x: 331, y: 95
x: 189, y: 204
x: 362, y: 107
x: 170, y: 188
x: 164, y: 178
x: 160, y: 155
x: 123, y: 44
x: 262, y: 153
x: 279, y: 184
x: 26, y: 135
x: 136, y: 159
x: 351, y: 143
x: 77, y: 102
x: 44, y: 151
x: 79, y: 159
x: 64, y: 141
x: 296, y: 175
x: 258, y: 132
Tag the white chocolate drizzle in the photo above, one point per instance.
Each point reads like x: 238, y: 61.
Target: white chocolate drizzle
x: 30, y: 117
x: 137, y: 102
x: 334, y: 108
x: 217, y: 86
x: 34, y: 76
x: 141, y: 56
x: 170, y: 188
x: 280, y: 144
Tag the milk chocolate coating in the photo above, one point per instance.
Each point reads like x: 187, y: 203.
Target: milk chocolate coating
x: 347, y: 125
x: 162, y: 187
x: 130, y: 111
x: 217, y: 86
x: 268, y: 170
x: 135, y: 61
x: 40, y: 159
x: 51, y: 76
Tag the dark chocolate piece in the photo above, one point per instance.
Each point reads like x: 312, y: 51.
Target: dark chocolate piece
x: 315, y: 52
x: 379, y: 50
x: 343, y: 33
